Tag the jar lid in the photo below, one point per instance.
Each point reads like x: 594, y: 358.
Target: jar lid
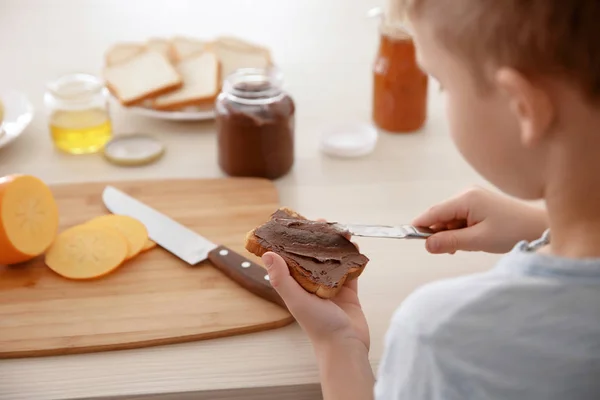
x: 349, y: 140
x: 75, y: 87
x: 133, y: 149
x: 393, y: 20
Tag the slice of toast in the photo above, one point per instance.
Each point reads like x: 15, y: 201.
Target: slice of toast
x: 238, y: 43
x: 161, y: 45
x: 201, y: 83
x: 336, y: 258
x: 235, y: 54
x: 122, y: 52
x: 146, y: 75
x: 183, y: 47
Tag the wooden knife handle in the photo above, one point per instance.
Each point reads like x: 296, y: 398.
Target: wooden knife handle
x: 244, y: 272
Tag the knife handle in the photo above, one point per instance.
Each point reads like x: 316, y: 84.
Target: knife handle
x: 244, y: 272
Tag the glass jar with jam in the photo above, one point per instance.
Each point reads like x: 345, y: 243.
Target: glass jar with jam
x: 77, y: 112
x: 399, y: 85
x: 255, y: 125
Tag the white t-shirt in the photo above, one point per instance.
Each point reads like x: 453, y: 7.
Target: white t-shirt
x: 527, y: 329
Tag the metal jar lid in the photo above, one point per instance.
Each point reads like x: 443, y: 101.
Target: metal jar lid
x: 133, y: 149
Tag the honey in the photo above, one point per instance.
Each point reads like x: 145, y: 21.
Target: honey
x: 78, y: 115
x: 80, y: 131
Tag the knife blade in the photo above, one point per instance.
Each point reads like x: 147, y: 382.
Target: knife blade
x: 192, y: 247
x: 375, y: 231
x: 385, y: 231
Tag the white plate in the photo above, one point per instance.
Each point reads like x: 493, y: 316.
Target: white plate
x: 190, y: 114
x: 18, y: 113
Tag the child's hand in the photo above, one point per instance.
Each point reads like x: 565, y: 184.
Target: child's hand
x: 325, y: 321
x: 480, y: 220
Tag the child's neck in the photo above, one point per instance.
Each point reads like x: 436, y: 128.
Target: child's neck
x: 575, y: 224
x: 572, y: 191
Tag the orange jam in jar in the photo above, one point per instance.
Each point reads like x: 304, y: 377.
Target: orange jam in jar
x: 399, y: 85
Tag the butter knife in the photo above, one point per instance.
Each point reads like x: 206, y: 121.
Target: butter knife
x: 384, y: 231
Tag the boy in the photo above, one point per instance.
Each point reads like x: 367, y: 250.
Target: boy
x: 522, y: 85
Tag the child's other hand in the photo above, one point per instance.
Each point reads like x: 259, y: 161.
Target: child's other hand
x: 336, y: 321
x: 480, y: 220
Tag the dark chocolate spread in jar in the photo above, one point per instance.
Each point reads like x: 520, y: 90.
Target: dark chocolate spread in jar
x: 255, y: 125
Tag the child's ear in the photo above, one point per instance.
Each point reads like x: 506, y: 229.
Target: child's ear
x: 530, y: 103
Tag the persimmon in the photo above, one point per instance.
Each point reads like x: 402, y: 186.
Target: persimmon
x: 87, y: 252
x: 150, y: 244
x: 134, y: 231
x: 28, y: 218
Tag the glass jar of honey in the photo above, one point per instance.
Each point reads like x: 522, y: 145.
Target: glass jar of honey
x: 399, y: 85
x: 255, y: 125
x: 77, y: 112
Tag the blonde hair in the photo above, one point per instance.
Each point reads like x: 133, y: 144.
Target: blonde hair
x: 557, y: 38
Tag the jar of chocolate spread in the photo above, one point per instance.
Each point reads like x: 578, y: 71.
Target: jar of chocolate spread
x: 255, y: 125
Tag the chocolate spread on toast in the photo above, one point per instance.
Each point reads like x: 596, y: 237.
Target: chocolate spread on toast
x: 319, y: 249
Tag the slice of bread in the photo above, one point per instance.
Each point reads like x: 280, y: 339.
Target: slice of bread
x: 237, y: 43
x: 235, y: 54
x: 122, y: 52
x: 161, y: 45
x: 319, y: 248
x: 201, y: 83
x: 183, y: 47
x: 146, y: 75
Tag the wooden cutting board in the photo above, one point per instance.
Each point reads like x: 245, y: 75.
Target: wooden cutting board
x: 155, y: 298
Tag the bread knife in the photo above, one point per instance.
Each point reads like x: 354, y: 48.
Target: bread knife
x: 192, y: 247
x: 384, y: 231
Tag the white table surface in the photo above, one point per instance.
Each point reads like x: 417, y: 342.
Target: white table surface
x: 325, y: 49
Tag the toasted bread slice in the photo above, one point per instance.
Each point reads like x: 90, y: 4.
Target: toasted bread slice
x: 183, y: 47
x: 237, y: 43
x: 312, y: 282
x: 200, y: 75
x: 235, y: 54
x: 147, y: 75
x: 161, y: 45
x: 122, y: 52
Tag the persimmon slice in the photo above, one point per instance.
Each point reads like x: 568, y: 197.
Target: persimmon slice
x: 150, y: 244
x: 28, y: 218
x: 87, y: 252
x: 134, y: 231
